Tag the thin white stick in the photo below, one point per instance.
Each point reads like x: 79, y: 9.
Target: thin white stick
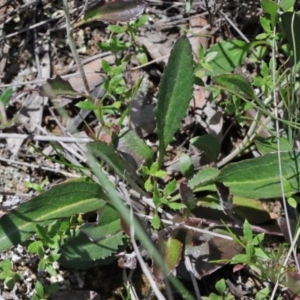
x: 189, y: 267
x: 144, y: 268
x: 226, y: 237
x: 21, y: 163
x: 50, y: 138
x: 235, y: 28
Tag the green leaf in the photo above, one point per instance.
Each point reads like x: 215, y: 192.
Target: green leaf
x: 291, y: 27
x: 116, y: 28
x: 40, y: 252
x: 86, y: 105
x: 156, y: 196
x: 51, y: 270
x: 248, y: 234
x: 108, y: 154
x: 160, y: 174
x: 170, y: 250
x: 39, y: 289
x: 208, y: 144
x: 5, y: 96
x: 286, y: 5
x: 140, y: 21
x: 9, y: 282
x: 201, y: 52
x: 134, y: 146
x: 115, y: 11
x: 174, y: 94
x: 263, y: 294
x: 271, y: 8
x: 41, y: 232
x: 154, y: 168
x: 259, y: 177
x: 148, y: 185
x: 240, y: 258
x: 108, y: 224
x: 57, y: 87
x: 186, y: 165
x: 211, y: 56
x: 258, y: 239
x: 292, y: 202
x: 188, y: 5
x: 155, y: 222
x: 213, y: 296
x: 35, y: 246
x: 204, y: 176
x: 106, y: 66
x: 261, y: 254
x: 249, y: 249
x: 170, y: 188
x: 6, y: 265
x: 236, y: 84
x: 176, y: 206
x: 269, y: 144
x: 230, y: 54
x: 265, y: 24
x: 221, y: 286
x: 61, y: 201
x: 81, y: 253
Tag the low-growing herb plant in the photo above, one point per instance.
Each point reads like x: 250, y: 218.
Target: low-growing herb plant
x: 8, y: 274
x: 220, y: 287
x: 237, y: 185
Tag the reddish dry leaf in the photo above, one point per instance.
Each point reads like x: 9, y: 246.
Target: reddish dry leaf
x: 238, y: 267
x: 293, y: 284
x: 282, y: 223
x: 202, y: 253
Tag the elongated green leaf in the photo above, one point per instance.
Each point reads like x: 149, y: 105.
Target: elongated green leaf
x: 204, y: 176
x: 259, y: 177
x: 108, y: 154
x: 114, y: 11
x: 174, y: 94
x: 5, y: 96
x: 60, y: 201
x: 228, y: 55
x: 291, y: 27
x: 236, y: 84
